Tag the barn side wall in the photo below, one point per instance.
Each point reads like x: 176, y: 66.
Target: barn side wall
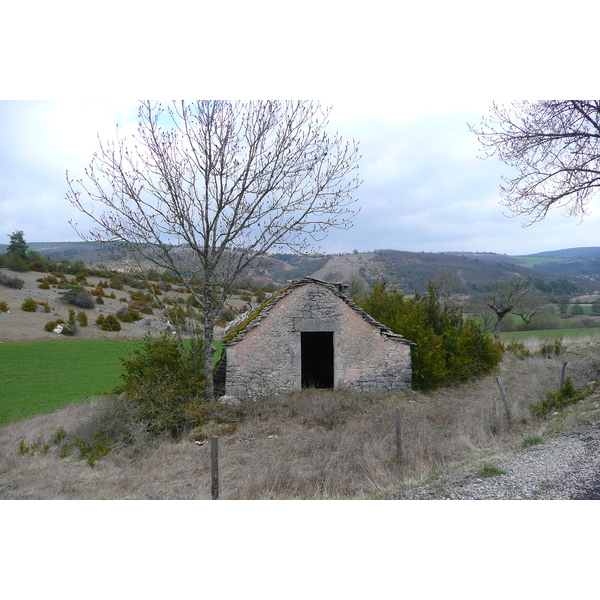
x: 267, y: 361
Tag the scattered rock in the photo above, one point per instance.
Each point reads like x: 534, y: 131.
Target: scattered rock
x: 231, y: 400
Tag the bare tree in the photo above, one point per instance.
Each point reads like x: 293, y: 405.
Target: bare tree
x: 505, y: 297
x: 207, y: 188
x: 530, y: 306
x: 554, y: 146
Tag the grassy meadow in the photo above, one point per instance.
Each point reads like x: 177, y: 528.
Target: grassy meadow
x: 551, y: 334
x: 38, y: 377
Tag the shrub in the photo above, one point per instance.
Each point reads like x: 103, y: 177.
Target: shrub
x: 116, y: 283
x: 69, y: 329
x: 82, y: 318
x: 51, y: 325
x: 490, y: 471
x: 552, y: 348
x: 11, y: 281
x: 108, y: 323
x: 45, y: 285
x: 448, y: 348
x: 560, y: 399
x: 129, y: 315
x: 518, y: 349
x: 532, y: 441
x: 30, y: 305
x: 46, y: 306
x: 16, y: 263
x: 76, y: 296
x: 4, y: 307
x: 165, y: 383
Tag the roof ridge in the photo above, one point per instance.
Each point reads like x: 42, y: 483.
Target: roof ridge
x: 257, y: 315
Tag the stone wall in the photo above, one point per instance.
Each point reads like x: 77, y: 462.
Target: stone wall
x: 266, y: 358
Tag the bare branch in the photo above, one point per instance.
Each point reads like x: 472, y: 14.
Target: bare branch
x: 553, y: 147
x: 207, y: 188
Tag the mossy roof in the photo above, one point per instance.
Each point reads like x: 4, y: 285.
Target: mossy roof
x: 238, y: 331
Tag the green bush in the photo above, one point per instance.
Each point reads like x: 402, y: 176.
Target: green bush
x: 448, y: 348
x: 108, y: 323
x: 30, y: 305
x: 560, y: 399
x: 129, y: 315
x: 518, y: 349
x: 555, y: 347
x: 51, y: 325
x: 166, y: 385
x: 76, y: 296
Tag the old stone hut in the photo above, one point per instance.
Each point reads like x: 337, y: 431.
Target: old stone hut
x: 310, y: 334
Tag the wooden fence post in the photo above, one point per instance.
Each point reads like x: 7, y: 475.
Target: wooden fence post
x: 214, y: 468
x: 505, y: 399
x: 562, y: 375
x: 398, y: 438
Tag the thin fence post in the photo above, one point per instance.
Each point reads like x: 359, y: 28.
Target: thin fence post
x: 214, y: 468
x: 505, y: 399
x: 398, y: 437
x: 562, y: 375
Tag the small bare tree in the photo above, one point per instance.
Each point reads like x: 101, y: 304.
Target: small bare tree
x: 206, y: 189
x: 554, y: 146
x: 505, y: 297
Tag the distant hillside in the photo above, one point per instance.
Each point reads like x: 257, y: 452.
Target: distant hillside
x: 571, y: 253
x: 87, y: 252
x: 569, y: 263
x: 408, y: 270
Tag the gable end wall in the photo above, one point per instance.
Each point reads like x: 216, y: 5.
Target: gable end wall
x: 267, y: 360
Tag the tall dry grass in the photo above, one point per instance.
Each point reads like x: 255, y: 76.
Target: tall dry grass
x: 308, y: 445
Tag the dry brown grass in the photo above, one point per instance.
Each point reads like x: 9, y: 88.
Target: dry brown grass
x: 309, y: 445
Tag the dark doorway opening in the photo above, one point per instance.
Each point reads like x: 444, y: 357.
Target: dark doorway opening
x: 317, y: 359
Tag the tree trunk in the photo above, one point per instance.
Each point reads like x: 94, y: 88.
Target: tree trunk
x: 497, y: 328
x: 209, y: 333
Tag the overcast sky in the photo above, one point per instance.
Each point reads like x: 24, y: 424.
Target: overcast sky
x: 424, y: 187
x: 404, y: 89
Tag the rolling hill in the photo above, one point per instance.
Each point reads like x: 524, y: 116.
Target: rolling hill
x: 408, y: 270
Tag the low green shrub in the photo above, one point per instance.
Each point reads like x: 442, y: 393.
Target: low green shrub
x: 553, y: 348
x: 129, y: 315
x: 51, y: 325
x: 4, y: 307
x: 11, y: 281
x: 29, y: 305
x: 490, y: 471
x: 77, y: 296
x: 559, y: 399
x: 108, y: 323
x: 518, y: 349
x: 532, y: 441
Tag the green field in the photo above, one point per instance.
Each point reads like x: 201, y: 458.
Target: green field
x: 551, y: 334
x: 533, y: 261
x: 37, y: 377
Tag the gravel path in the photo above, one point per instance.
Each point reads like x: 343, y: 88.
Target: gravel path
x: 562, y: 467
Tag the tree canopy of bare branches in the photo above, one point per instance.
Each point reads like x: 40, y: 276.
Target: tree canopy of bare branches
x: 207, y: 188
x: 505, y: 297
x: 554, y: 147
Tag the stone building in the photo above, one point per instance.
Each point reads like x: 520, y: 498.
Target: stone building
x: 309, y: 334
